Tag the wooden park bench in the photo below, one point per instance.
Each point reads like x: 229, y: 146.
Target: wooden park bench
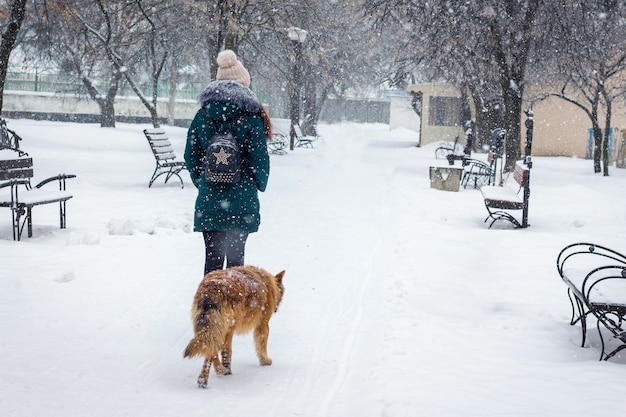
x: 596, y: 286
x: 15, y: 175
x: 166, y: 161
x: 278, y: 144
x: 303, y: 141
x: 478, y: 173
x: 500, y: 200
x: 443, y: 151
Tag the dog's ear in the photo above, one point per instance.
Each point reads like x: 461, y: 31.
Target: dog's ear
x: 279, y: 276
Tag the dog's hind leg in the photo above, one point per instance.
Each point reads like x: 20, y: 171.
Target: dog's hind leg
x: 227, y: 354
x: 220, y: 366
x: 261, y: 333
x: 203, y: 378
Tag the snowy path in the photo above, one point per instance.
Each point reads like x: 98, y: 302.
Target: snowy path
x: 352, y: 219
x: 398, y: 299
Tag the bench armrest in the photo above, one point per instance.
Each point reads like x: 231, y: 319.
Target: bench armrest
x: 14, y: 182
x: 61, y: 178
x: 595, y: 273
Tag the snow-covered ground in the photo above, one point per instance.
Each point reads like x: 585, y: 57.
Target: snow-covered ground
x: 399, y: 301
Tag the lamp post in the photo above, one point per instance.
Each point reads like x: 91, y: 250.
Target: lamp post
x: 297, y: 36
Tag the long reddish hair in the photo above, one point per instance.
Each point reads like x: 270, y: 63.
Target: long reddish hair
x: 267, y: 123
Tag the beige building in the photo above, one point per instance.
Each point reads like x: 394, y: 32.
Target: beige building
x: 440, y: 106
x: 560, y: 128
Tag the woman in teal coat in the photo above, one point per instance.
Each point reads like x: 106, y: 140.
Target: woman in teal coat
x: 227, y: 213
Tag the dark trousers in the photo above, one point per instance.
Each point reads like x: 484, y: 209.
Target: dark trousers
x: 223, y: 246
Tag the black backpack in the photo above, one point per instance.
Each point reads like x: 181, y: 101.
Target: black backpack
x: 222, y: 161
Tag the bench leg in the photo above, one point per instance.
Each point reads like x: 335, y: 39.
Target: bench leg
x: 159, y: 170
x: 612, y: 321
x: 62, y: 216
x: 578, y: 306
x: 502, y: 215
x: 617, y: 350
x: 18, y: 223
x: 171, y: 173
x: 16, y: 213
x: 29, y: 221
x: 154, y: 176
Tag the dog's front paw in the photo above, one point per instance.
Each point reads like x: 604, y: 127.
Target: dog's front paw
x: 202, y: 382
x: 265, y: 361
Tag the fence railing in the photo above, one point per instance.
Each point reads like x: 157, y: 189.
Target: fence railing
x: 363, y: 111
x: 60, y: 84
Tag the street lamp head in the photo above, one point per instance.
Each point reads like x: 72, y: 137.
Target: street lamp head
x: 296, y: 34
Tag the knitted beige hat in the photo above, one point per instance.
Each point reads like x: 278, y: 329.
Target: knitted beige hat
x: 230, y: 68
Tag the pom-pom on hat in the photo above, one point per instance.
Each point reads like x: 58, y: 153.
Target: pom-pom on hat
x: 230, y: 68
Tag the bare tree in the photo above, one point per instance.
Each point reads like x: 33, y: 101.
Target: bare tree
x: 57, y: 37
x: 12, y: 24
x: 589, y: 64
x: 106, y: 39
x: 339, y: 53
x: 476, y: 45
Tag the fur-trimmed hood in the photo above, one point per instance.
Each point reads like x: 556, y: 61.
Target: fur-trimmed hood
x: 230, y: 92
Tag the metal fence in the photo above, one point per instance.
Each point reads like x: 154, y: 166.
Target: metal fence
x: 360, y: 111
x: 63, y: 84
x: 333, y: 110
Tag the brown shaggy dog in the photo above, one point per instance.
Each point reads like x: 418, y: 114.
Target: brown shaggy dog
x: 229, y: 301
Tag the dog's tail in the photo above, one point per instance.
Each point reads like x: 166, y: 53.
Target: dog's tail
x: 210, y: 326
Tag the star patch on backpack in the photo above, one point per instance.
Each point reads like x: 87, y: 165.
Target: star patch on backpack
x: 223, y: 159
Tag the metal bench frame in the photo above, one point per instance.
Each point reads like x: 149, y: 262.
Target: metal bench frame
x: 9, y: 139
x: 602, y: 267
x: 166, y: 161
x: 479, y: 173
x: 443, y: 151
x: 303, y: 141
x: 278, y: 144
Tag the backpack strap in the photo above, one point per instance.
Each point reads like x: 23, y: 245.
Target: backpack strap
x: 239, y: 121
x: 208, y: 119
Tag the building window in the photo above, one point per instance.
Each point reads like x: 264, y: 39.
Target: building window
x: 444, y: 111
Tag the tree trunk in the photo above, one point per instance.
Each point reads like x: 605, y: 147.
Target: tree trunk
x: 9, y: 35
x: 171, y: 104
x: 309, y: 104
x: 606, y: 160
x: 154, y: 116
x: 106, y: 104
x: 466, y: 111
x: 597, y: 135
x: 107, y: 113
x: 511, y: 55
x: 512, y: 117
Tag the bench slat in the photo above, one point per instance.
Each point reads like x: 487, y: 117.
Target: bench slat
x: 15, y: 174
x: 520, y: 175
x: 504, y: 194
x: 29, y: 198
x: 163, y: 149
x: 15, y: 163
x: 165, y: 157
x: 158, y: 140
x: 155, y: 131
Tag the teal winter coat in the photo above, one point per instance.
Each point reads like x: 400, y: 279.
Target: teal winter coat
x: 228, y: 207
